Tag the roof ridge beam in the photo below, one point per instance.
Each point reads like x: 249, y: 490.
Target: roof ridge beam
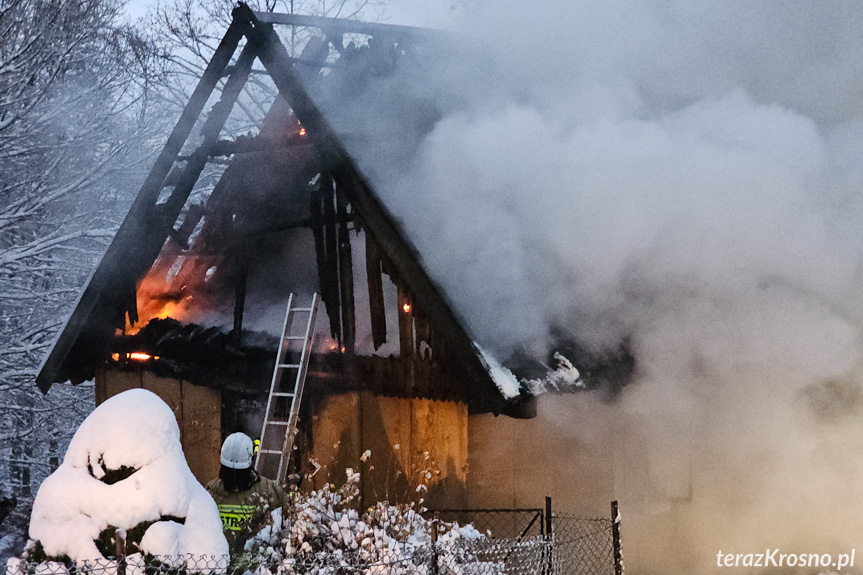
x: 344, y: 26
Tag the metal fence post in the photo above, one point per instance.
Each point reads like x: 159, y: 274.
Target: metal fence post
x: 549, y: 533
x: 615, y: 539
x: 434, y: 533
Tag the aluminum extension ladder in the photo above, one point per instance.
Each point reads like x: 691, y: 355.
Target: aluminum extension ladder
x: 286, y: 388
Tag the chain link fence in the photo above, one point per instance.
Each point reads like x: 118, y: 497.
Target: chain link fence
x: 575, y: 546
x: 583, y: 546
x: 578, y: 545
x: 496, y: 523
x: 478, y: 557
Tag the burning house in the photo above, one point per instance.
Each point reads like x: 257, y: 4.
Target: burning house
x: 190, y: 297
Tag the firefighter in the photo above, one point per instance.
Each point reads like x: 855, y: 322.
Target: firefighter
x: 245, y: 499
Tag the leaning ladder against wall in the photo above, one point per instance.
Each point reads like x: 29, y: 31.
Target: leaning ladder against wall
x: 286, y: 389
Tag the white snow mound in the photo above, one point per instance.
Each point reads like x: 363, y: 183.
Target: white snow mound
x: 503, y: 378
x: 134, y: 429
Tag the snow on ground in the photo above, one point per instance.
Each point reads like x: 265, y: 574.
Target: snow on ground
x: 133, y: 429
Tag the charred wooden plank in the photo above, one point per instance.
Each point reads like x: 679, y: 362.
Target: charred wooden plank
x: 379, y: 222
x: 374, y: 278
x: 182, y: 234
x: 406, y: 340
x: 240, y: 298
x: 338, y: 26
x: 346, y: 275
x: 317, y: 220
x: 100, y: 309
x: 246, y: 145
x: 330, y: 280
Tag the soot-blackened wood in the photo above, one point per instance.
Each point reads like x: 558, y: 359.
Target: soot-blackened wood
x: 423, y: 330
x: 615, y: 539
x: 374, y: 278
x: 166, y: 214
x: 317, y: 221
x: 182, y: 234
x: 379, y: 222
x: 332, y: 254
x: 346, y: 275
x: 210, y: 132
x: 336, y: 26
x: 406, y: 340
x: 110, y: 291
x: 240, y: 295
x: 327, y: 252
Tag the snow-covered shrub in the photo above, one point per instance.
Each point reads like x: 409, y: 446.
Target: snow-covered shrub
x: 125, y: 475
x: 324, y: 533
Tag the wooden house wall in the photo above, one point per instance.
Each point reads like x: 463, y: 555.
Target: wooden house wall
x: 197, y: 409
x: 406, y: 437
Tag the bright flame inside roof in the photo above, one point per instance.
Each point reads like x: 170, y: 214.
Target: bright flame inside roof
x: 302, y: 131
x: 135, y: 355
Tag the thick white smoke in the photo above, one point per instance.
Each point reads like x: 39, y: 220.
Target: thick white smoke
x: 686, y: 175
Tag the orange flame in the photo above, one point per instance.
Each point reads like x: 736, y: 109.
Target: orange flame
x: 135, y: 355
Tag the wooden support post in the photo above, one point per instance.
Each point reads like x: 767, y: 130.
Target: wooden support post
x: 615, y: 539
x: 406, y: 340
x: 374, y: 278
x: 330, y: 281
x: 346, y: 275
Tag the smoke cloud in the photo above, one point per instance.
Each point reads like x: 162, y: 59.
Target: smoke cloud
x: 684, y: 176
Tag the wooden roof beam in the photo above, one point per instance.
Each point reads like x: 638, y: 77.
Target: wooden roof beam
x: 380, y: 223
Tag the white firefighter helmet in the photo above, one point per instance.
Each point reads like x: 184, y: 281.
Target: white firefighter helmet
x: 237, y: 451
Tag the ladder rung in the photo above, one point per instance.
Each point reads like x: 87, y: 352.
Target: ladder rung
x: 284, y: 355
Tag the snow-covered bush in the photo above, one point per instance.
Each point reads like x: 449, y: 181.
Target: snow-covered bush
x: 125, y: 475
x: 323, y: 532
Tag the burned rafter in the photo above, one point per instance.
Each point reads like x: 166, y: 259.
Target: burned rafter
x: 346, y: 273
x: 374, y: 214
x: 150, y: 224
x: 374, y: 275
x: 246, y: 145
x: 111, y: 290
x: 337, y: 27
